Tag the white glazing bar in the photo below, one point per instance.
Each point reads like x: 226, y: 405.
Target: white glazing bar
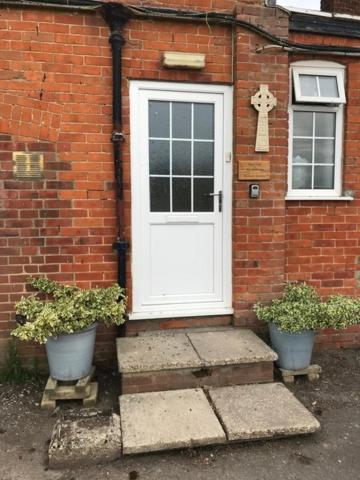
x: 155, y: 175
x: 317, y: 138
x: 313, y: 148
x: 192, y: 157
x: 171, y: 155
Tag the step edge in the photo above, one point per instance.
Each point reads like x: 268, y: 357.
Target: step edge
x: 197, y: 367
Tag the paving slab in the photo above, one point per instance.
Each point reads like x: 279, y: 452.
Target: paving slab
x: 231, y: 347
x: 255, y: 412
x: 168, y: 420
x: 95, y: 439
x: 154, y: 353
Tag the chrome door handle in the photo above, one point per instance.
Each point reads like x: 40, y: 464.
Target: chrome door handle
x: 219, y: 194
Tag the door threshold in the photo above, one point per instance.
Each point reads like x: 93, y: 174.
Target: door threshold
x: 180, y: 314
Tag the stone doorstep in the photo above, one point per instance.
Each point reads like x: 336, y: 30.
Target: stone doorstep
x: 187, y: 418
x: 166, y: 420
x: 191, y: 350
x: 254, y: 412
x: 88, y: 439
x: 158, y: 421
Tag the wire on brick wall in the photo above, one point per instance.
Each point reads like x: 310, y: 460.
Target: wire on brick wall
x: 188, y: 15
x: 167, y: 13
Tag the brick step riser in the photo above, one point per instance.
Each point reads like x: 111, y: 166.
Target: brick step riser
x: 217, y: 376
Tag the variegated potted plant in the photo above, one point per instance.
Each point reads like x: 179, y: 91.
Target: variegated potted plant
x: 294, y: 318
x: 65, y: 321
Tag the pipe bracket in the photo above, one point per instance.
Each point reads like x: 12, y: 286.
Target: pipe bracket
x: 117, y: 136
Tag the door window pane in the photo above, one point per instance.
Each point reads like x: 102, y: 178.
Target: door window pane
x: 303, y: 124
x: 204, y: 158
x: 181, y: 120
x: 308, y: 86
x: 203, y: 121
x: 325, y: 124
x: 302, y: 150
x: 159, y: 194
x: 159, y: 153
x: 202, y: 202
x: 324, y: 177
x: 181, y: 149
x: 181, y: 158
x: 328, y: 86
x: 181, y: 194
x: 324, y: 151
x: 159, y: 119
x: 302, y: 177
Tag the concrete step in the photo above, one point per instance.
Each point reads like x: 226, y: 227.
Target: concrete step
x: 186, y: 418
x: 156, y: 421
x: 193, y: 359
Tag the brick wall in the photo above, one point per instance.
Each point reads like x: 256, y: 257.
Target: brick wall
x: 259, y: 225
x: 350, y: 7
x: 323, y: 236
x: 55, y: 98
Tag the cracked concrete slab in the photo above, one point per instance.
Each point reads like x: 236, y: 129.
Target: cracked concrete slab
x: 168, y: 420
x: 153, y: 353
x: 231, y: 347
x: 255, y: 412
x: 95, y: 439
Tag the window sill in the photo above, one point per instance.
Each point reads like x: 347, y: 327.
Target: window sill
x: 315, y: 199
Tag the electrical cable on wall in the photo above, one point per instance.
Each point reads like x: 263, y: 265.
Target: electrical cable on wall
x: 208, y: 17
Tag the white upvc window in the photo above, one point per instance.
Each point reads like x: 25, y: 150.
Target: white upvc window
x: 319, y: 85
x: 316, y: 130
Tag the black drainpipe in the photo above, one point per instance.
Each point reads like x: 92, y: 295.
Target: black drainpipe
x: 116, y: 16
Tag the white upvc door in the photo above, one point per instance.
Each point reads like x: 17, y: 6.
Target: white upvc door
x: 181, y: 142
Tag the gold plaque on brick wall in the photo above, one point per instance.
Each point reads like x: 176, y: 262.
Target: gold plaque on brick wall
x: 254, y: 170
x: 28, y: 165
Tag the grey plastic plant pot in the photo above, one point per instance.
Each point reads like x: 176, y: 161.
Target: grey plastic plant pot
x: 294, y: 349
x: 70, y: 356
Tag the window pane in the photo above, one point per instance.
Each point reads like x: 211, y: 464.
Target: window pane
x: 203, y: 121
x: 181, y: 120
x: 328, y: 86
x: 159, y: 119
x: 303, y: 124
x: 324, y: 151
x: 159, y: 194
x: 181, y: 195
x: 324, y: 177
x: 308, y: 86
x: 181, y: 158
x: 302, y: 177
x: 159, y: 153
x: 302, y: 150
x: 202, y: 202
x: 325, y: 124
x: 203, y: 158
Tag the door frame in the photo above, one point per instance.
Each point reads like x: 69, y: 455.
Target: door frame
x: 136, y: 86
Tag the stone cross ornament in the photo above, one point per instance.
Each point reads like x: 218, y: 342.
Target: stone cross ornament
x: 263, y: 101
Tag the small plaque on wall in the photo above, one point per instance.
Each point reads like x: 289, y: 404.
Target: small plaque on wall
x: 254, y: 170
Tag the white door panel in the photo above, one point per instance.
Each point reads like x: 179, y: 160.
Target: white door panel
x: 181, y: 225
x: 188, y: 270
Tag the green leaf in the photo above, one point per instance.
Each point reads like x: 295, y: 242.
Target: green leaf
x: 71, y: 309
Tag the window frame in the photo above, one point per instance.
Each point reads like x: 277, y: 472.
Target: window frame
x: 336, y: 191
x: 317, y: 68
x: 319, y: 72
